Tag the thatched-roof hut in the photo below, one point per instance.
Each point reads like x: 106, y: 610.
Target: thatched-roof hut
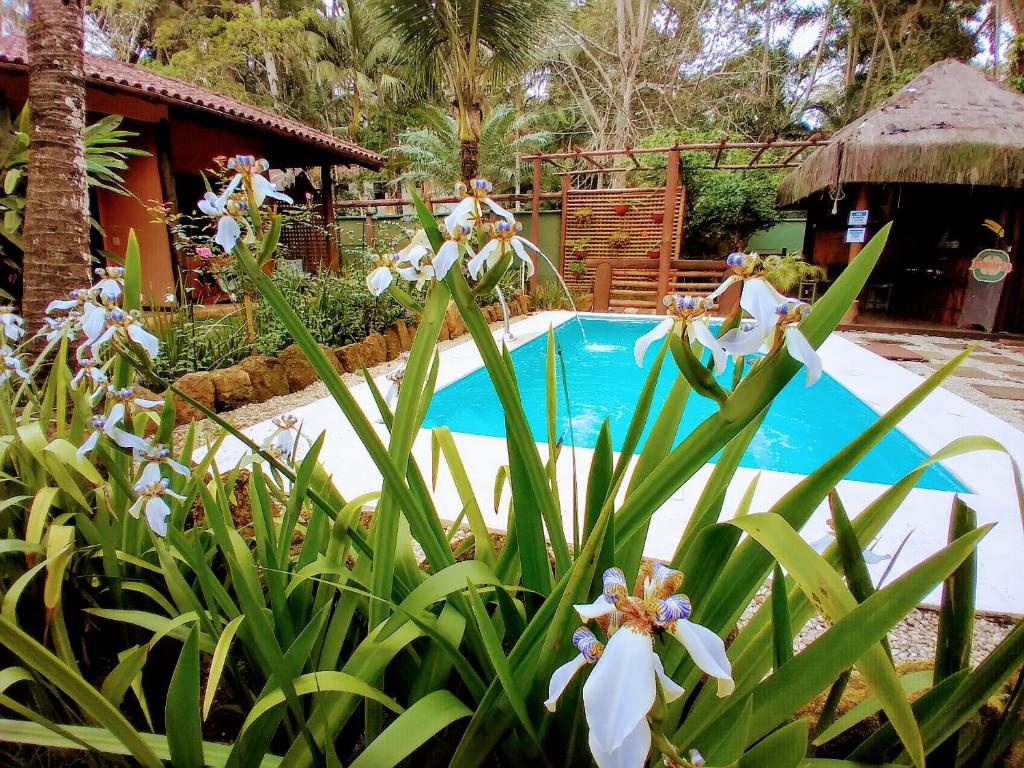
x: 938, y: 158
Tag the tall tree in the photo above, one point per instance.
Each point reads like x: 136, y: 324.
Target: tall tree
x: 57, y: 203
x: 462, y: 47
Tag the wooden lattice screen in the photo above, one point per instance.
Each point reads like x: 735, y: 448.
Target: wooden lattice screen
x: 303, y: 238
x: 592, y: 223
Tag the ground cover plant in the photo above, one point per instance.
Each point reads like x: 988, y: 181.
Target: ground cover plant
x: 159, y: 607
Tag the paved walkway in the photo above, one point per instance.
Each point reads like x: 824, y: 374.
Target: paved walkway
x: 992, y: 377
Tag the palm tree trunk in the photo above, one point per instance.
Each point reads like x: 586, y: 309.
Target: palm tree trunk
x: 57, y: 201
x: 470, y: 117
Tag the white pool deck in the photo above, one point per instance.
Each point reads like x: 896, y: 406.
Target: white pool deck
x: 940, y: 419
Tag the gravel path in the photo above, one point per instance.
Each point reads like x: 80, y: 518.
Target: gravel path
x: 913, y: 638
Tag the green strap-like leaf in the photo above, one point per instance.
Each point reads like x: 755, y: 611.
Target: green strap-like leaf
x: 420, y: 722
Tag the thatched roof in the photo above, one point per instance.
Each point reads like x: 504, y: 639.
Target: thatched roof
x: 949, y: 125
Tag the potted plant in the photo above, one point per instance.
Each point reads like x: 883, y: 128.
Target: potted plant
x: 657, y: 218
x: 654, y: 253
x: 618, y: 239
x: 578, y: 248
x: 578, y: 267
x: 621, y: 209
x: 584, y: 215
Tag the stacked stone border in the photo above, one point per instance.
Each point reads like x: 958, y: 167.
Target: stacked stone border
x: 261, y: 377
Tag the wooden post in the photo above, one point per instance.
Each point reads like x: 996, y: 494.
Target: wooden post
x: 535, y: 216
x: 169, y: 192
x: 566, y: 181
x: 667, y: 224
x: 602, y: 285
x: 327, y: 210
x: 861, y: 205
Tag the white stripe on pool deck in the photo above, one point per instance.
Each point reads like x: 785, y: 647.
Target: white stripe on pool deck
x: 941, y: 418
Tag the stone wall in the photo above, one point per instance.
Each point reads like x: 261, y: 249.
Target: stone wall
x: 259, y: 378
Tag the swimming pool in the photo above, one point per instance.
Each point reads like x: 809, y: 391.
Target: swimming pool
x: 803, y: 428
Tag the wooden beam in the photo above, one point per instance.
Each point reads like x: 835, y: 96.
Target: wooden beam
x: 667, y: 223
x: 327, y: 211
x: 695, y: 147
x: 718, y: 151
x: 761, y: 151
x: 812, y: 141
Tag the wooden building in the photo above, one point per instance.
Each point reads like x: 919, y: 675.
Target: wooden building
x: 183, y: 128
x: 939, y: 158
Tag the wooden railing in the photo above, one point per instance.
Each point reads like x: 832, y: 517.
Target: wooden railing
x: 693, y: 276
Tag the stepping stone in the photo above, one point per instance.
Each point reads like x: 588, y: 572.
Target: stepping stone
x: 967, y: 372
x: 988, y: 357
x: 957, y: 345
x: 891, y: 351
x: 1001, y: 393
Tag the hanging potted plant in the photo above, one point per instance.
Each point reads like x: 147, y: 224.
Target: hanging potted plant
x: 578, y: 248
x: 654, y: 253
x: 657, y: 218
x: 584, y: 215
x: 618, y: 239
x: 621, y: 209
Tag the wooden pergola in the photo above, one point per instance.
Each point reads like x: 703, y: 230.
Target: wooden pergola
x: 631, y: 248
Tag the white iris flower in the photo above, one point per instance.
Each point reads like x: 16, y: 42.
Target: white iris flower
x: 11, y: 366
x: 250, y: 170
x: 448, y: 253
x: 469, y: 210
x: 227, y: 212
x: 11, y: 325
x: 111, y: 282
x: 105, y: 425
x: 692, y: 311
x: 160, y: 454
x: 505, y: 235
x: 623, y: 686
x: 118, y: 322
x: 152, y: 490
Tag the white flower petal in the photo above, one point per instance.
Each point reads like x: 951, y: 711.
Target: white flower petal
x: 631, y: 753
x: 761, y: 300
x: 209, y: 205
x: 722, y: 288
x: 820, y: 545
x: 146, y: 340
x: 136, y: 508
x: 89, y: 444
x: 505, y: 214
x: 93, y: 319
x: 621, y: 689
x: 560, y: 679
x: 707, y: 339
x: 707, y: 651
x: 800, y: 349
x: 391, y: 396
x: 261, y: 185
x: 379, y: 280
x: 446, y: 256
x: 61, y: 305
x: 228, y: 232
x: 660, y: 331
x: 871, y: 558
x: 412, y: 274
x: 481, y: 258
x: 600, y: 607
x: 739, y: 343
x: 157, y: 512
x: 114, y: 418
x: 150, y: 474
x: 459, y: 215
x: 669, y: 687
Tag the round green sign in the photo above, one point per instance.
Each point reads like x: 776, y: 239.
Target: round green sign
x: 991, y: 266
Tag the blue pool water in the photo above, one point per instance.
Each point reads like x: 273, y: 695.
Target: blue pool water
x: 803, y: 428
